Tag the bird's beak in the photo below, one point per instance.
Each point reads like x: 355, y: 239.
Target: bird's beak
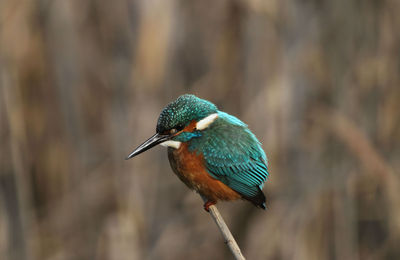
x: 151, y: 142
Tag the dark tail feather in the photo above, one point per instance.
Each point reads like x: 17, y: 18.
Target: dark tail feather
x: 258, y: 200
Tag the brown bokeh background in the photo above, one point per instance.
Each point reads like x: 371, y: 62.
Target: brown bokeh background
x: 83, y: 82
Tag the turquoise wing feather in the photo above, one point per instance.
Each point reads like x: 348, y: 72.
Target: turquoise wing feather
x: 233, y: 155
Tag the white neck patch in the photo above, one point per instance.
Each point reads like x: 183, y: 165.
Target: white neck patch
x: 170, y: 143
x: 205, y: 122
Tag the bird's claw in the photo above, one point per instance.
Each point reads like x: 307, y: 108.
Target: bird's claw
x: 208, y: 204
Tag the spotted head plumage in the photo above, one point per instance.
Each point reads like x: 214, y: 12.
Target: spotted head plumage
x: 182, y: 111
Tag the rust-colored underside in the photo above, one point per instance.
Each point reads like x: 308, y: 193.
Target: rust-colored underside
x: 189, y: 167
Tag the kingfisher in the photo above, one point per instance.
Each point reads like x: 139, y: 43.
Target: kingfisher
x: 212, y: 152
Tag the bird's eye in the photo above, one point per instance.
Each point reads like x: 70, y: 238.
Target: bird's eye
x: 176, y: 129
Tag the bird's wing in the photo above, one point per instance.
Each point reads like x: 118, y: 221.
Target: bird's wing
x: 233, y: 155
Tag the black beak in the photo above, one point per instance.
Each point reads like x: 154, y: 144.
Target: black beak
x: 151, y: 142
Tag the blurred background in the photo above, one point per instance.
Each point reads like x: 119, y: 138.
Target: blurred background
x: 83, y: 82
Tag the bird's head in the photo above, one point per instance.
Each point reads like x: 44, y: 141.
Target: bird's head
x: 180, y: 121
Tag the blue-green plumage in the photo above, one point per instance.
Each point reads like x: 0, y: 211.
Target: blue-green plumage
x: 182, y: 111
x: 229, y: 151
x: 233, y: 155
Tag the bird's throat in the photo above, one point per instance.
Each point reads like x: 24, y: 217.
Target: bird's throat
x: 173, y: 144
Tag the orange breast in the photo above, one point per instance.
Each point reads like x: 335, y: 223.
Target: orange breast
x: 189, y: 167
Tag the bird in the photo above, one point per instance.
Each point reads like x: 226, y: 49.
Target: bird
x: 212, y: 152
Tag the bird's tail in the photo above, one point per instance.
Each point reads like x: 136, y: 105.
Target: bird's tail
x: 258, y: 200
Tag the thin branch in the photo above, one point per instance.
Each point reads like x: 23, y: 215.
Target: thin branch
x: 226, y: 233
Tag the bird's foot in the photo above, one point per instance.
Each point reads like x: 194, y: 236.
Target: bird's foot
x: 208, y: 204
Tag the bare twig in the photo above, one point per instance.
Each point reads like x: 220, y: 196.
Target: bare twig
x: 226, y: 233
